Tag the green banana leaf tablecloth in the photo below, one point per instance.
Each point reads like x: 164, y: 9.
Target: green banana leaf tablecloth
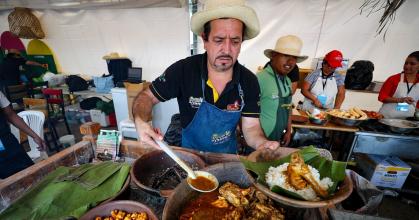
x: 69, y: 191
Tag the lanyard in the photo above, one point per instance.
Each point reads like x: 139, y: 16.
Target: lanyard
x: 326, y: 78
x: 407, y: 84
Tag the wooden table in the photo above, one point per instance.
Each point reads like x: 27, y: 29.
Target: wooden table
x: 328, y: 126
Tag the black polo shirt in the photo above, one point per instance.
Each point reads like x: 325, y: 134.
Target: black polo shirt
x: 183, y: 80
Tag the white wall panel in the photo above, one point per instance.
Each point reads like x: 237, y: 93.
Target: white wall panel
x: 152, y: 38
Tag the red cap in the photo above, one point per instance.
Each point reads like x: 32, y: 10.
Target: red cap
x: 334, y: 58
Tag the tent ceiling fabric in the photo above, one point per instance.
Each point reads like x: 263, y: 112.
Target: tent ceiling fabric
x: 90, y: 4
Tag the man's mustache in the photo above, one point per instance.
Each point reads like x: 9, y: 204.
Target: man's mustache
x: 225, y: 56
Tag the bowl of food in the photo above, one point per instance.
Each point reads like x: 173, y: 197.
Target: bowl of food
x: 318, y: 117
x: 303, y: 179
x: 351, y: 117
x: 373, y: 115
x: 122, y: 209
x: 158, y: 174
x: 234, y: 198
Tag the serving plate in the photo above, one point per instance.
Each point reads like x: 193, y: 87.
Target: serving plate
x: 343, y: 191
x: 124, y: 205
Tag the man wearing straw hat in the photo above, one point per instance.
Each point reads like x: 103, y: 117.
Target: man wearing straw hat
x: 276, y: 88
x: 213, y: 90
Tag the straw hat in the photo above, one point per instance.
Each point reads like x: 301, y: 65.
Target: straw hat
x: 289, y: 45
x: 113, y: 56
x: 215, y: 9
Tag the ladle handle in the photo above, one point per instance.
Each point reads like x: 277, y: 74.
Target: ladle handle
x: 172, y: 154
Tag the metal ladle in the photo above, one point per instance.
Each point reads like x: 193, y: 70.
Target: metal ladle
x: 191, y: 174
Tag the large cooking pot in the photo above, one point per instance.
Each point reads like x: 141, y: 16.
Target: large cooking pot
x: 147, y: 167
x: 232, y: 171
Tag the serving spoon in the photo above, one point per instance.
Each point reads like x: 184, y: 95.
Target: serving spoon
x: 195, y: 179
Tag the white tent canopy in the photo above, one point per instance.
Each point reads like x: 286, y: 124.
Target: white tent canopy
x: 153, y: 38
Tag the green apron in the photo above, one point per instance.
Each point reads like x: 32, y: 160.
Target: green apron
x: 275, y: 92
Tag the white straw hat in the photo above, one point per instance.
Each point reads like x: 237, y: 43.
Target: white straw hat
x: 289, y: 45
x: 215, y: 9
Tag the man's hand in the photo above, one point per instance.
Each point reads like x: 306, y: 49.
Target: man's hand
x: 272, y: 145
x: 286, y: 139
x: 147, y: 133
x: 42, y: 146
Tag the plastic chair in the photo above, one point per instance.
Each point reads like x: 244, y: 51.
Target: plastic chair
x: 41, y: 105
x: 55, y: 108
x: 35, y: 120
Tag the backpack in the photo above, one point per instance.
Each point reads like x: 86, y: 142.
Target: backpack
x: 359, y: 75
x: 76, y: 83
x: 89, y: 103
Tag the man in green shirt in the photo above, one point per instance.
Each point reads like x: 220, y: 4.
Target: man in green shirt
x: 276, y: 90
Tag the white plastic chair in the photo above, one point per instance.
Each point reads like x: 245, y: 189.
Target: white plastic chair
x: 35, y: 120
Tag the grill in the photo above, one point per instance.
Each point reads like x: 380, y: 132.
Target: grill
x: 376, y: 138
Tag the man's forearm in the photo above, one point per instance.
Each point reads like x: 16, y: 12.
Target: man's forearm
x: 142, y: 107
x: 254, y: 139
x: 254, y: 136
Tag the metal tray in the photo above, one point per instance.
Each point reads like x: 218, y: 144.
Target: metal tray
x: 400, y: 125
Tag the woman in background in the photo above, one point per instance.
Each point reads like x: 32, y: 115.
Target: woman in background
x: 400, y: 92
x: 325, y: 88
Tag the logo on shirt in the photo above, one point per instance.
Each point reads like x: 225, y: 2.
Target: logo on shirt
x: 233, y: 107
x: 195, y: 102
x: 221, y: 138
x: 162, y: 77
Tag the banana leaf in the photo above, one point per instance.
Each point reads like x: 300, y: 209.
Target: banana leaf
x: 335, y: 170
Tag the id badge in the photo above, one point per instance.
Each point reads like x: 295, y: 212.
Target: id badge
x: 402, y: 107
x: 322, y: 98
x: 2, y: 146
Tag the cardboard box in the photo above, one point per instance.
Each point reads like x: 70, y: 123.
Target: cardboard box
x: 384, y: 171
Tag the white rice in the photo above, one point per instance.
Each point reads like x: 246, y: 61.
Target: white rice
x: 276, y: 176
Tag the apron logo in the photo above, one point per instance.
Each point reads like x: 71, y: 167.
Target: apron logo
x: 195, y: 102
x: 221, y: 138
x: 233, y: 107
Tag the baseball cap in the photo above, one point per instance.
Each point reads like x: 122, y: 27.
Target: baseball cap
x: 334, y: 58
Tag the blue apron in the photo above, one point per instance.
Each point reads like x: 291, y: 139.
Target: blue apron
x: 13, y: 157
x: 213, y: 129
